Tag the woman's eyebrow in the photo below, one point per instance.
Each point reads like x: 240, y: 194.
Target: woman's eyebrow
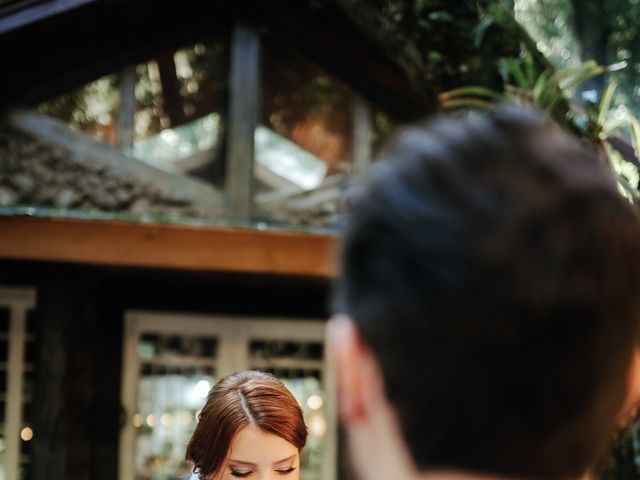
x: 288, y: 459
x: 243, y: 463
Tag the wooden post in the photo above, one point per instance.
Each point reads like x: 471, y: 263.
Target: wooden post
x: 63, y: 418
x: 361, y: 134
x: 15, y: 373
x: 244, y: 93
x: 127, y: 109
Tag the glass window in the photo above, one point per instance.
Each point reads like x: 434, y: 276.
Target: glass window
x: 176, y: 374
x: 181, y: 111
x: 306, y: 121
x: 149, y: 142
x: 315, y: 133
x: 17, y: 367
x: 299, y: 365
x: 145, y: 142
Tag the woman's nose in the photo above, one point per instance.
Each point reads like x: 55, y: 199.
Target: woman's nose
x: 269, y: 476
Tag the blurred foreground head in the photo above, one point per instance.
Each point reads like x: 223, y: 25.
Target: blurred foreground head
x: 488, y: 307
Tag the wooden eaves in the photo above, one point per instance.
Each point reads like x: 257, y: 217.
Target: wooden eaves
x: 57, y: 45
x: 183, y: 247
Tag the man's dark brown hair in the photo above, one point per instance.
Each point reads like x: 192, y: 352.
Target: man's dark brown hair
x: 494, y: 270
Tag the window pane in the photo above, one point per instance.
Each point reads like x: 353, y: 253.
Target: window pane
x: 304, y: 140
x: 73, y: 156
x: 176, y: 374
x: 304, y: 106
x: 179, y: 123
x: 315, y: 133
x: 91, y: 109
x: 299, y: 365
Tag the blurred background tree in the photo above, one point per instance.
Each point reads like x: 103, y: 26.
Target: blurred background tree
x: 607, y: 31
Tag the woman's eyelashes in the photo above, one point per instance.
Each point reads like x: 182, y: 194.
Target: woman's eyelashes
x: 239, y: 474
x: 245, y: 474
x: 286, y: 471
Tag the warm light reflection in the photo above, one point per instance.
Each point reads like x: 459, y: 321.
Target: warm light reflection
x: 151, y: 420
x: 26, y: 434
x: 137, y: 420
x: 184, y: 418
x: 315, y: 402
x: 166, y: 419
x: 202, y: 388
x: 317, y: 424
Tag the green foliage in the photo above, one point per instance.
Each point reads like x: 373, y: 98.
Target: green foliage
x: 440, y: 44
x: 90, y: 108
x: 623, y: 20
x: 552, y: 25
x: 605, y: 124
x: 597, y: 123
x: 624, y: 461
x: 481, y: 28
x: 522, y: 84
x: 549, y: 22
x: 202, y: 73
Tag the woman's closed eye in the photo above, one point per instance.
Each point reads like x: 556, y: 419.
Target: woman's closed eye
x: 285, y: 471
x: 246, y: 473
x: 241, y: 473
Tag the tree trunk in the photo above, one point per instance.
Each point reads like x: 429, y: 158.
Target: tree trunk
x: 592, y: 31
x: 172, y: 100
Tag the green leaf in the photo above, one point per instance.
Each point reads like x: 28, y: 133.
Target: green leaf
x: 635, y: 134
x: 503, y: 69
x: 605, y: 103
x: 564, y: 74
x: 624, y: 172
x: 440, y: 16
x: 569, y: 78
x: 555, y: 95
x: 614, y: 67
x: 527, y: 64
x: 631, y: 192
x: 480, y: 29
x: 582, y: 77
x: 516, y: 73
x: 539, y: 88
x: 467, y: 103
x: 476, y: 91
x: 612, y: 126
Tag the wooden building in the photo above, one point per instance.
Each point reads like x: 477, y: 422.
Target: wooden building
x: 116, y: 315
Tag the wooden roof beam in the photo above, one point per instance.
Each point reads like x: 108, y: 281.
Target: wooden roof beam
x: 183, y: 247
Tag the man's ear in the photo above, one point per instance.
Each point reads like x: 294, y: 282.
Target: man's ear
x: 354, y: 367
x: 632, y: 402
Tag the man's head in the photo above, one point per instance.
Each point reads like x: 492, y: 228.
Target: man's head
x: 489, y: 299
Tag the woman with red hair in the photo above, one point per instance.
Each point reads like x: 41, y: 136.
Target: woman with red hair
x: 251, y: 427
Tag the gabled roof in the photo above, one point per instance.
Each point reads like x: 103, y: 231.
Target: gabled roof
x: 53, y: 46
x: 18, y: 13
x: 6, y: 6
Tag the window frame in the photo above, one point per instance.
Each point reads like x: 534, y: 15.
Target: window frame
x: 233, y: 333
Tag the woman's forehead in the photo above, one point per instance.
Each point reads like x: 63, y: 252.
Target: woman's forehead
x: 253, y: 445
